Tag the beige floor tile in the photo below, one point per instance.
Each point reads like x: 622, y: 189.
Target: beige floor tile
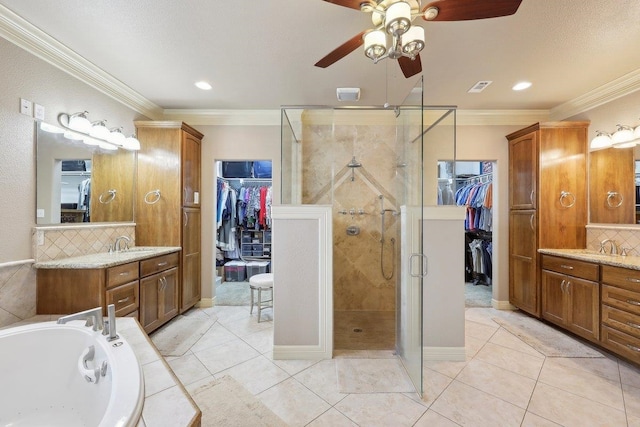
x: 472, y: 346
x: 633, y: 421
x: 468, y: 406
x: 216, y: 335
x: 170, y: 404
x: 156, y: 378
x: 631, y: 400
x: 332, y: 418
x: 450, y: 369
x: 507, y: 339
x: 244, y: 326
x: 381, y: 354
x: 499, y: 382
x: 568, y: 409
x: 189, y: 369
x: 262, y: 340
x: 481, y: 315
x: 226, y: 314
x: 322, y: 379
x: 372, y: 376
x: 533, y: 420
x: 629, y: 374
x: 225, y: 356
x: 433, y: 384
x: 433, y: 419
x: 256, y: 375
x: 479, y: 331
x: 293, y: 402
x: 582, y: 383
x: 381, y: 409
x: 292, y: 367
x: 515, y: 361
x: 606, y: 367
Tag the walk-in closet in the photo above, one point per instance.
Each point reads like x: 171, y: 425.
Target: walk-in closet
x: 470, y: 184
x: 243, y: 227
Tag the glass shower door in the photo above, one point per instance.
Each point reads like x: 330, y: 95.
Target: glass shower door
x: 412, y: 263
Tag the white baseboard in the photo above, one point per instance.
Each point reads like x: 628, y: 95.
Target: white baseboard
x: 300, y: 352
x: 453, y: 354
x: 502, y: 305
x: 206, y: 302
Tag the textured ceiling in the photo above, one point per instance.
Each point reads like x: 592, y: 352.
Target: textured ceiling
x: 260, y: 54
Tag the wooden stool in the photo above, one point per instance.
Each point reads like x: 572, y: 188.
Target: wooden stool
x: 260, y: 282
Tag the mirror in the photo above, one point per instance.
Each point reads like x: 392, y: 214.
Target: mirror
x: 613, y: 187
x: 77, y: 183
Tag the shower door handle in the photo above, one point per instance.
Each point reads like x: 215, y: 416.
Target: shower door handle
x: 423, y: 264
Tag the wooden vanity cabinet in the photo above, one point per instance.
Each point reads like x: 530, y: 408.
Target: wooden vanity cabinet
x: 547, y: 201
x: 621, y: 311
x: 168, y: 198
x: 571, y: 295
x: 159, y: 289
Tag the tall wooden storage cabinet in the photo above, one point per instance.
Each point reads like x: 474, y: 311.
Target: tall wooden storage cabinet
x: 168, y: 198
x: 547, y: 201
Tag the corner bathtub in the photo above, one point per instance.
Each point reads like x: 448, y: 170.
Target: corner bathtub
x: 44, y: 377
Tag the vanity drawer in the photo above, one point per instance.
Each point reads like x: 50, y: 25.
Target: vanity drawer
x: 621, y: 298
x: 623, y: 277
x: 125, y: 298
x: 571, y: 267
x: 621, y: 343
x: 621, y: 320
x: 122, y: 274
x: 160, y: 263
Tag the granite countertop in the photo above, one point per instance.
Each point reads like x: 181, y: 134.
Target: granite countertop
x: 628, y: 261
x: 105, y: 259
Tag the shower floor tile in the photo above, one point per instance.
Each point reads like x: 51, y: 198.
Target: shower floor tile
x: 364, y: 330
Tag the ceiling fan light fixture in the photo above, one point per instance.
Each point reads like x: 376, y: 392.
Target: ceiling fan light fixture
x: 375, y: 44
x: 430, y: 13
x: 397, y: 18
x: 413, y: 41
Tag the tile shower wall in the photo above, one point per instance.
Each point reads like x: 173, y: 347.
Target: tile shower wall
x: 326, y: 151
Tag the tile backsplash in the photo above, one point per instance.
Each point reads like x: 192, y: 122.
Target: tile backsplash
x: 17, y: 292
x: 625, y: 237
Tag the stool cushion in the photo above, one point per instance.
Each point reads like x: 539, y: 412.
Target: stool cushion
x: 262, y: 280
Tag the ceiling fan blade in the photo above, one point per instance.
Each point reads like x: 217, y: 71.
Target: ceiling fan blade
x: 466, y: 10
x: 352, y: 4
x: 341, y: 51
x: 410, y: 67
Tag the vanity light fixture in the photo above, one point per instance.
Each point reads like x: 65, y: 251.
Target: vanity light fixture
x: 623, y: 137
x: 78, y: 126
x: 602, y: 140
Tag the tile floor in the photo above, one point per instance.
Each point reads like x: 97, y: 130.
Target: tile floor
x: 503, y: 382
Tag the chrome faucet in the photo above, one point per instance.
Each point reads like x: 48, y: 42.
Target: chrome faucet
x: 110, y: 324
x: 613, y: 247
x: 92, y: 316
x: 116, y: 244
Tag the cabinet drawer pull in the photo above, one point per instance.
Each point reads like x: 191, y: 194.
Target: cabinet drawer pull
x: 633, y: 302
x: 162, y: 264
x: 124, y: 273
x: 566, y: 267
x: 633, y: 280
x: 120, y: 301
x: 633, y: 325
x: 633, y: 347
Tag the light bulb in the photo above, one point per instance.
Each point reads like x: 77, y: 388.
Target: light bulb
x: 99, y: 130
x: 79, y: 122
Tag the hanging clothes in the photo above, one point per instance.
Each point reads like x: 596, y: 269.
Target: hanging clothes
x: 477, y: 197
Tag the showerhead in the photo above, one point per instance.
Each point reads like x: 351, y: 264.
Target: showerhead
x: 354, y: 163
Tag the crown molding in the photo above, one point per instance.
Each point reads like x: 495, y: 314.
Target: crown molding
x: 608, y: 92
x: 225, y: 117
x: 501, y: 117
x: 35, y: 41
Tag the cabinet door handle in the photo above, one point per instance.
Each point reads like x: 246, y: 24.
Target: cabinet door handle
x: 566, y: 267
x: 611, y: 196
x: 186, y: 220
x: 531, y: 195
x: 162, y: 264
x: 124, y: 273
x: 633, y: 302
x: 633, y: 347
x: 162, y: 282
x: 633, y: 280
x: 531, y: 218
x: 567, y: 286
x: 120, y: 301
x: 562, y: 286
x: 633, y: 325
x: 567, y: 199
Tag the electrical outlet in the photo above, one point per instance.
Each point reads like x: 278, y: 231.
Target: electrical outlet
x: 26, y: 107
x: 38, y: 112
x: 40, y: 235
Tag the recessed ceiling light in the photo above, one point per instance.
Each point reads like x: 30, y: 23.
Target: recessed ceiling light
x: 521, y: 86
x: 203, y: 85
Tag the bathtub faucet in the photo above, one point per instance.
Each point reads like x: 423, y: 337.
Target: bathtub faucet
x: 109, y: 329
x: 92, y: 316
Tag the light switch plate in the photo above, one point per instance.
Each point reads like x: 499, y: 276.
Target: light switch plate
x: 38, y: 112
x: 26, y: 107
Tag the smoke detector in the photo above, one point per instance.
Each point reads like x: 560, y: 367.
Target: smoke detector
x: 348, y: 93
x: 480, y: 86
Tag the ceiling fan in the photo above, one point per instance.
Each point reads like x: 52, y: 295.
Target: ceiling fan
x: 394, y: 18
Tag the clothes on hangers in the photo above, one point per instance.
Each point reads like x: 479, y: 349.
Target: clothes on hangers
x: 478, y: 198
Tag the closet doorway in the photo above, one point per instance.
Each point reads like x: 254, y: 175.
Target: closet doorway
x: 470, y: 184
x: 243, y: 228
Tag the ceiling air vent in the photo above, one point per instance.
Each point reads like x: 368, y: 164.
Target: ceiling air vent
x: 480, y: 86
